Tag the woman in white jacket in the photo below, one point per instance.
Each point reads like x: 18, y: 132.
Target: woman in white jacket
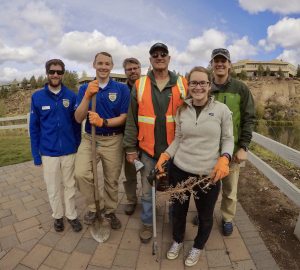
x: 201, y: 125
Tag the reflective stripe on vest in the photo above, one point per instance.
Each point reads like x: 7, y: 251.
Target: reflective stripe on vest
x: 181, y: 87
x: 145, y: 119
x: 141, y: 87
x: 171, y: 118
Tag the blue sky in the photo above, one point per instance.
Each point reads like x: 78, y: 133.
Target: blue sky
x: 75, y: 31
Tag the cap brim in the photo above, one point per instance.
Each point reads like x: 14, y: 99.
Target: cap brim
x: 228, y: 58
x: 158, y: 48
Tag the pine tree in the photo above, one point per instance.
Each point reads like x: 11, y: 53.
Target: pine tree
x: 33, y: 82
x: 149, y: 70
x: 280, y: 73
x: 186, y: 75
x: 24, y: 84
x: 84, y: 74
x: 39, y: 82
x: 243, y: 75
x: 298, y: 72
x: 13, y: 88
x: 70, y: 80
x: 268, y: 71
x: 3, y: 92
x: 260, y: 70
x: 232, y: 72
x: 210, y: 70
x: 45, y: 80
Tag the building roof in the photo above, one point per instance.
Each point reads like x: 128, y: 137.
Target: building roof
x: 112, y: 75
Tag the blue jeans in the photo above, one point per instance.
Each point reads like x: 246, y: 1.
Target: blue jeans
x: 149, y: 164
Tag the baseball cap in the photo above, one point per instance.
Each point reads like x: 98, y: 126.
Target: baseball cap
x: 220, y: 51
x: 159, y: 45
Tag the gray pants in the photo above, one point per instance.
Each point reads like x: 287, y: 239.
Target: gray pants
x: 130, y: 183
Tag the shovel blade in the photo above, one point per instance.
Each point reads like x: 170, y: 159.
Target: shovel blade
x: 100, y: 230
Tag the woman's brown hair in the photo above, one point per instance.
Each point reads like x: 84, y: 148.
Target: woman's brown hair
x: 199, y: 69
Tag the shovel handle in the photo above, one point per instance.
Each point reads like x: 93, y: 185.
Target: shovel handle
x: 94, y: 161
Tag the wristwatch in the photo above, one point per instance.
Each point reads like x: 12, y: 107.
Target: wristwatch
x: 245, y: 148
x: 104, y: 122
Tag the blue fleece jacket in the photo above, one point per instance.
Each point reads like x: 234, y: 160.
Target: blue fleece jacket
x: 53, y: 129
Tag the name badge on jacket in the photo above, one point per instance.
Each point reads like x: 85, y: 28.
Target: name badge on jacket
x: 45, y: 108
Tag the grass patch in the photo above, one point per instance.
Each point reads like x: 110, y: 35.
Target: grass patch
x: 14, y: 150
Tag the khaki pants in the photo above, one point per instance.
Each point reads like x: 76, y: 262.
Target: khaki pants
x: 229, y: 188
x: 110, y: 151
x: 54, y: 167
x: 130, y: 183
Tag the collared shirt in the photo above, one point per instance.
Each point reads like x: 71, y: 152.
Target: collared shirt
x: 112, y: 101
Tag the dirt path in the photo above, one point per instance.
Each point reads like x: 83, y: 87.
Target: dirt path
x: 272, y: 213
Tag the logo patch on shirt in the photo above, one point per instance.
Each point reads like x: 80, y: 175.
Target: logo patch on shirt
x: 45, y: 108
x: 66, y: 103
x: 212, y: 114
x: 112, y: 96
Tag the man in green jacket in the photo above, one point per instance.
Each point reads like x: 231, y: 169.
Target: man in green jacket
x: 164, y: 85
x: 236, y: 95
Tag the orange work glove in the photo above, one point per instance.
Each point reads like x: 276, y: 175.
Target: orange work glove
x: 92, y: 89
x: 221, y: 169
x: 163, y: 157
x: 95, y: 119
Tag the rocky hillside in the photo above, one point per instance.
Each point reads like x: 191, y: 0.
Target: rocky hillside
x: 270, y: 90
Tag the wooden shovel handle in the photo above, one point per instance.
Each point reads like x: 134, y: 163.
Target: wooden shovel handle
x: 94, y: 161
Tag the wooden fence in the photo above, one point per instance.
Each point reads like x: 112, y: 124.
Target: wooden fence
x: 289, y: 154
x: 27, y: 117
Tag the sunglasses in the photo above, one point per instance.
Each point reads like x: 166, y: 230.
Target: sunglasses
x: 155, y: 55
x: 52, y: 72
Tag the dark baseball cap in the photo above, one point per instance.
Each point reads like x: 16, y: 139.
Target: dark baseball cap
x: 159, y: 45
x: 220, y: 51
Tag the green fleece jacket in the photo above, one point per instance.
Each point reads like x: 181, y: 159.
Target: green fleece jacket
x: 236, y: 95
x: 161, y: 100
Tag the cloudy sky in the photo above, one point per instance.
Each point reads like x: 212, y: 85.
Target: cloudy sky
x: 32, y: 32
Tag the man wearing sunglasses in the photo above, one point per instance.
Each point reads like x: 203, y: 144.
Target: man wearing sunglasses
x: 132, y: 69
x: 152, y: 109
x: 236, y: 95
x: 55, y: 137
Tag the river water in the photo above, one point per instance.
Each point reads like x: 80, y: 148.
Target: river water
x: 287, y: 135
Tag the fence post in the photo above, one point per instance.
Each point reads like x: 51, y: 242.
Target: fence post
x: 28, y: 121
x: 297, y: 229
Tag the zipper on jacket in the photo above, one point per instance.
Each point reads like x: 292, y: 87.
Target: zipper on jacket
x: 58, y: 127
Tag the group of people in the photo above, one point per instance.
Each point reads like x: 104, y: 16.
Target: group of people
x: 201, y: 125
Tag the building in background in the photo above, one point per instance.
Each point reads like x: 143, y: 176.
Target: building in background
x: 251, y: 66
x: 116, y: 77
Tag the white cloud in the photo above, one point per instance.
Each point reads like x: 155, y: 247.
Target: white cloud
x: 241, y: 48
x: 19, y: 55
x: 262, y: 43
x: 270, y: 47
x: 276, y: 6
x: 82, y: 47
x: 7, y: 75
x: 223, y: 21
x: 285, y: 33
x: 291, y: 56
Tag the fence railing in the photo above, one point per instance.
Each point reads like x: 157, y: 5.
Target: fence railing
x: 287, y: 153
x: 20, y: 117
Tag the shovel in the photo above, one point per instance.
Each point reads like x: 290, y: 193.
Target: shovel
x: 100, y: 230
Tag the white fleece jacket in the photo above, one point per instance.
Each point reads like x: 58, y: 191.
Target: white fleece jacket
x: 197, y: 141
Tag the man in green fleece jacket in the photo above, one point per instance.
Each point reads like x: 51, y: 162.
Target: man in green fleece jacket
x: 236, y: 95
x: 153, y: 106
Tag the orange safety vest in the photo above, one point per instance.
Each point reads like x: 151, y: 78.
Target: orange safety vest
x: 146, y: 115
